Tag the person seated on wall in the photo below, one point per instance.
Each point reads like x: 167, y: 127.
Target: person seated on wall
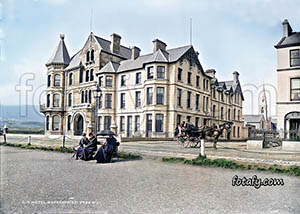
x: 82, y: 143
x: 105, y: 152
x: 90, y: 148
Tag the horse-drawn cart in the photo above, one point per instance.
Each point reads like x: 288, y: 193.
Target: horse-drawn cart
x: 189, y: 135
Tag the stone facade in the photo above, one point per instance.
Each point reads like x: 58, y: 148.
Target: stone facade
x: 141, y: 96
x: 288, y: 83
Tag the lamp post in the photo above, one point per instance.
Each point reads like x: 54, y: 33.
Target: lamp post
x: 96, y: 93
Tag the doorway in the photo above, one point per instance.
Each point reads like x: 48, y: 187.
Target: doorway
x: 78, y: 129
x: 148, y: 125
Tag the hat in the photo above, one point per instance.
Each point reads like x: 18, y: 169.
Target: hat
x: 83, y: 134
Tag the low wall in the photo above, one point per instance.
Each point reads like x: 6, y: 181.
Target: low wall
x: 291, y: 145
x: 254, y: 144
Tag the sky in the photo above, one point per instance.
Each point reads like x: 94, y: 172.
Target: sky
x: 229, y: 35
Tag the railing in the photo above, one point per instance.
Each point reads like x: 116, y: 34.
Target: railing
x: 292, y: 135
x: 260, y: 134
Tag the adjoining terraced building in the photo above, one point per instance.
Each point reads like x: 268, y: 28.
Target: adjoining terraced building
x: 141, y: 95
x: 288, y: 83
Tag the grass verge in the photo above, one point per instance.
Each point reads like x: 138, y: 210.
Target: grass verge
x: 230, y: 164
x: 122, y: 155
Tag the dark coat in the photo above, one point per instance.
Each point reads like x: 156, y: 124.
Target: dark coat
x: 105, y: 152
x: 83, y: 141
x: 89, y: 150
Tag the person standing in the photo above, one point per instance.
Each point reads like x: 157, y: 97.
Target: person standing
x: 5, y: 131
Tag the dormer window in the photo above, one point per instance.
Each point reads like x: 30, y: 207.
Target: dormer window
x: 295, y: 57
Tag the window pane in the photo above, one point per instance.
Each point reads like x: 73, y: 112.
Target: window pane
x: 150, y: 73
x: 55, y: 123
x: 295, y: 58
x: 159, y: 123
x: 137, y: 99
x: 108, y: 100
x: 160, y: 72
x: 56, y: 100
x: 160, y: 95
x: 296, y: 94
x: 109, y: 81
x: 294, y: 53
x: 57, y: 80
x: 149, y: 96
x: 138, y: 78
x: 295, y: 83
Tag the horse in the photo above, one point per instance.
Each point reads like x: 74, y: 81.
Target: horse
x: 215, y: 132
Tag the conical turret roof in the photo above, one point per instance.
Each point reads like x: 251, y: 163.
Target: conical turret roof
x: 60, y: 55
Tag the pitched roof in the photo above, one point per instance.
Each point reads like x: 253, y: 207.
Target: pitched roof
x: 110, y: 67
x: 75, y: 61
x: 125, y: 52
x: 292, y: 40
x: 60, y: 54
x: 168, y: 56
x: 231, y: 86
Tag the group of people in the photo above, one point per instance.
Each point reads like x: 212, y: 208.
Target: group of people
x: 88, y: 149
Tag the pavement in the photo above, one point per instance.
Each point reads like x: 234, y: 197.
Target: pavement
x: 35, y: 181
x: 227, y: 150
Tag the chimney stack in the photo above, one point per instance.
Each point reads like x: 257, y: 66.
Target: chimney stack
x: 287, y: 30
x: 135, y: 52
x: 157, y: 44
x: 235, y: 76
x: 211, y: 72
x: 115, y: 43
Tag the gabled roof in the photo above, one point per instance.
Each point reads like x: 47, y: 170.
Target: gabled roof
x: 60, y: 55
x: 292, y: 40
x: 110, y: 67
x: 125, y: 52
x: 231, y: 86
x: 168, y: 56
x: 75, y: 61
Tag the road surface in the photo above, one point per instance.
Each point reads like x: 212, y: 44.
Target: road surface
x: 35, y: 181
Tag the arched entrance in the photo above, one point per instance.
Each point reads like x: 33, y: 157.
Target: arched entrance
x: 78, y: 124
x: 292, y: 125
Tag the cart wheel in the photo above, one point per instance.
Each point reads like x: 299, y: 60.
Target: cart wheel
x: 193, y: 144
x: 186, y: 144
